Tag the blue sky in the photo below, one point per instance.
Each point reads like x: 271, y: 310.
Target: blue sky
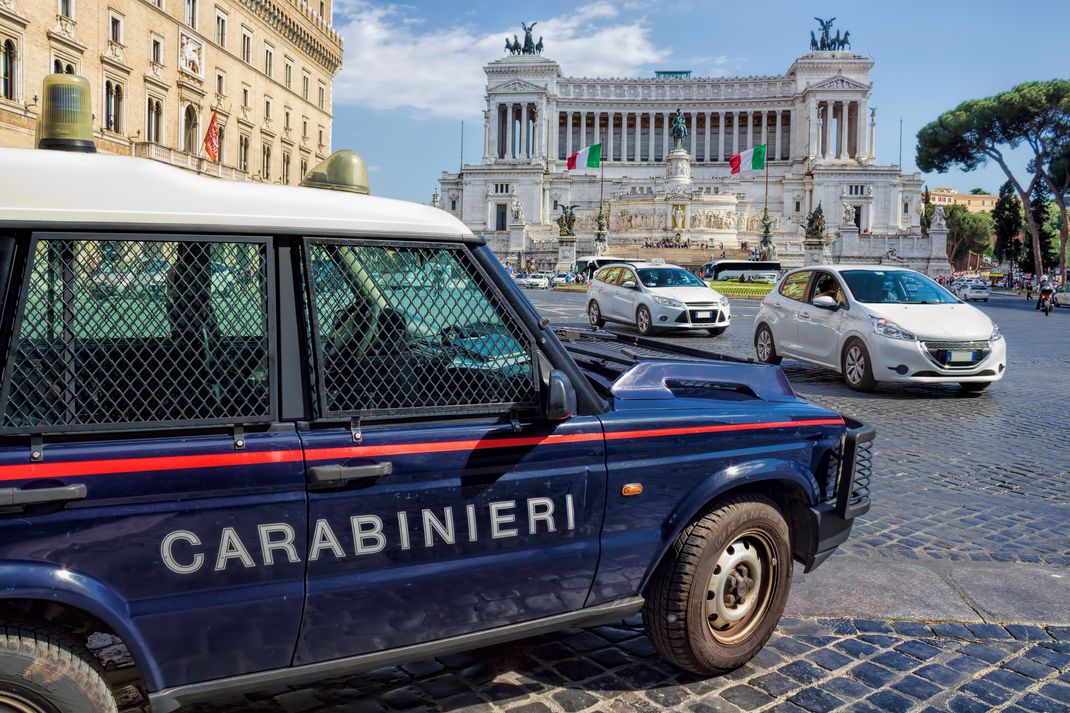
x: 413, y: 71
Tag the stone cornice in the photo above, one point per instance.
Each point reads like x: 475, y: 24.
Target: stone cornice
x: 279, y: 19
x: 9, y: 12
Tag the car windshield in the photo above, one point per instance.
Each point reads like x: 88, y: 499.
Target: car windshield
x: 668, y: 277
x: 895, y: 287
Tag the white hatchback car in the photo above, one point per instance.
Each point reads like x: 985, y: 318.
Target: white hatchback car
x: 973, y: 291
x: 876, y: 323
x: 654, y: 296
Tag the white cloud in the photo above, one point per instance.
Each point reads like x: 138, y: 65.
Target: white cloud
x: 393, y: 62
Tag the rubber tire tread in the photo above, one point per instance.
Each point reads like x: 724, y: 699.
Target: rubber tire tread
x: 774, y: 358
x: 670, y: 587
x: 67, y: 660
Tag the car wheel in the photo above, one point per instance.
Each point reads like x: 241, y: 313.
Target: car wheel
x: 719, y: 593
x: 857, y: 368
x: 716, y: 331
x: 974, y: 386
x: 643, y: 322
x: 42, y: 671
x: 594, y: 313
x: 764, y: 347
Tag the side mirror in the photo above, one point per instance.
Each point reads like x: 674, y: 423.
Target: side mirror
x: 628, y: 284
x: 561, y: 397
x: 825, y: 302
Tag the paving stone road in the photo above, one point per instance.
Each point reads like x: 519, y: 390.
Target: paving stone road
x: 968, y: 537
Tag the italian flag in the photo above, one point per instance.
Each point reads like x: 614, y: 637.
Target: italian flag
x: 590, y: 157
x: 749, y: 160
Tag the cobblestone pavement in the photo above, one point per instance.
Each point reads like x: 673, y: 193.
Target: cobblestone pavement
x: 958, y: 479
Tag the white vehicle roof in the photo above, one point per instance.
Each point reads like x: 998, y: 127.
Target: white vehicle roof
x: 643, y: 264
x: 57, y: 189
x: 842, y: 267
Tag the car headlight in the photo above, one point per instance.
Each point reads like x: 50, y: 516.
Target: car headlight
x: 888, y: 328
x: 722, y: 300
x: 996, y: 334
x: 668, y: 302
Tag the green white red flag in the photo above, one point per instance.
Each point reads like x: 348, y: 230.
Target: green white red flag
x: 590, y: 157
x: 749, y: 160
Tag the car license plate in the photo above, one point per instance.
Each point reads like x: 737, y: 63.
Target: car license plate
x: 960, y: 356
x: 703, y: 315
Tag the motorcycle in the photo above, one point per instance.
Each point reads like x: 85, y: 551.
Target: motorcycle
x: 1045, y: 304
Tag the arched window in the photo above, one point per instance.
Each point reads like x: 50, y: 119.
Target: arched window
x: 57, y: 67
x: 113, y: 106
x: 155, y: 120
x: 7, y: 70
x: 68, y: 70
x: 189, y: 133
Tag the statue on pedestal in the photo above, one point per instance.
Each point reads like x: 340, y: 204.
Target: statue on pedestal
x: 848, y: 214
x: 815, y: 224
x: 679, y: 128
x: 938, y: 220
x: 566, y: 222
x: 517, y: 209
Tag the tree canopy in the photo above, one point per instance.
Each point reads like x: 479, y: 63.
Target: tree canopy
x: 1007, y: 217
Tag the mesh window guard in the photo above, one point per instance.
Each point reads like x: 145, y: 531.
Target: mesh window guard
x: 411, y: 328
x: 140, y: 332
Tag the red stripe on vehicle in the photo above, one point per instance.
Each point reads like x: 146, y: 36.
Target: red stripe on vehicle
x: 117, y: 466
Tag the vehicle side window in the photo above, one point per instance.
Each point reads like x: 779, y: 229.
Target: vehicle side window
x: 602, y: 274
x: 122, y: 332
x: 794, y: 286
x: 826, y: 284
x: 403, y: 329
x: 625, y: 275
x: 612, y: 276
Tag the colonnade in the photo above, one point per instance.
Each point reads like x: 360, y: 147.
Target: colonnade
x: 849, y: 139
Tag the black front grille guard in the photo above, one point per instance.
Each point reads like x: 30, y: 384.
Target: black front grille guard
x: 856, y: 465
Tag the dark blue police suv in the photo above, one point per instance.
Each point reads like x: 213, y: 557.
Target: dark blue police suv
x: 328, y: 433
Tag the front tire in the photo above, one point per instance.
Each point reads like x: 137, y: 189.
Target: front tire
x: 42, y: 671
x: 594, y: 313
x: 765, y: 347
x: 857, y: 367
x: 718, y: 595
x: 643, y: 321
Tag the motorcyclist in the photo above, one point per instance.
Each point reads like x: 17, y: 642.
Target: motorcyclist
x: 1044, y: 290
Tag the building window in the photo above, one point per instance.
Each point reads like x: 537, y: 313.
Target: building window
x: 157, y: 50
x: 453, y: 204
x: 499, y: 216
x: 246, y: 45
x: 322, y: 9
x: 265, y: 162
x: 154, y: 122
x: 191, y: 13
x: 286, y: 119
x: 66, y: 8
x: 321, y: 144
x: 322, y: 95
x: 115, y: 29
x: 222, y: 144
x: 267, y: 108
x: 286, y: 168
x: 304, y: 86
x: 245, y: 96
x: 220, y: 83
x: 7, y: 69
x: 57, y: 67
x: 304, y: 169
x: 798, y: 206
x: 906, y: 208
x: 269, y: 61
x: 113, y: 106
x: 855, y: 189
x: 304, y: 128
x: 189, y: 131
x: 288, y: 74
x: 220, y: 28
x: 243, y: 153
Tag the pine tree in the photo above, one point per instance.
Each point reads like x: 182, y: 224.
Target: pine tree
x: 1007, y: 214
x: 1040, y: 206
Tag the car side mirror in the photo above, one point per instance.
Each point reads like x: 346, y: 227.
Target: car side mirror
x: 826, y: 302
x: 628, y: 284
x: 560, y: 398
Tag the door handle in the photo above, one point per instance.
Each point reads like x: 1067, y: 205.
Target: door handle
x: 804, y: 315
x: 334, y: 474
x: 64, y: 494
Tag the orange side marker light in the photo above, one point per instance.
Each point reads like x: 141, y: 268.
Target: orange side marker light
x: 631, y: 489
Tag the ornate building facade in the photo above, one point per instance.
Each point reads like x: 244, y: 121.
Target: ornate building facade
x: 815, y: 120
x: 158, y: 69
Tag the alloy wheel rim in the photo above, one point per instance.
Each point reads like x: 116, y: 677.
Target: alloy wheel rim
x: 741, y: 587
x: 763, y: 345
x: 856, y: 365
x: 644, y: 321
x: 10, y: 703
x: 592, y: 311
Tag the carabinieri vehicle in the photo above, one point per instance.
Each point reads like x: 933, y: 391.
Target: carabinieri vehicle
x: 361, y: 446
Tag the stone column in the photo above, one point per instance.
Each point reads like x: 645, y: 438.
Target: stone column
x: 694, y: 133
x: 706, y: 139
x: 812, y: 148
x: 610, y: 130
x: 665, y: 135
x: 735, y: 132
x: 827, y: 153
x: 596, y: 132
x: 845, y: 129
x: 583, y: 130
x: 493, y: 121
x: 765, y: 132
x: 509, y: 131
x: 568, y: 135
x: 486, y: 135
x: 720, y: 135
x: 779, y: 134
x: 524, y: 145
x: 624, y: 137
x: 650, y: 148
x: 873, y: 137
x: 860, y: 130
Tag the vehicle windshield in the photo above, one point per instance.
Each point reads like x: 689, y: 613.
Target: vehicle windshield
x: 668, y: 277
x: 895, y: 287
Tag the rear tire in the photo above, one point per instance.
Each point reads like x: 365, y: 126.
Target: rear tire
x: 42, y: 671
x: 594, y: 313
x: 857, y: 367
x: 765, y: 347
x: 718, y: 594
x: 643, y: 321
